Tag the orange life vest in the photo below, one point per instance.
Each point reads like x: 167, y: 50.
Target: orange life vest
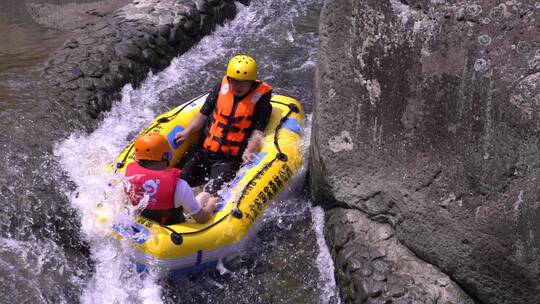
x: 229, y: 124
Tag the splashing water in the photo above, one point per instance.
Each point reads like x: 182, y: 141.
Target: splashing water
x: 327, y: 285
x: 281, y: 35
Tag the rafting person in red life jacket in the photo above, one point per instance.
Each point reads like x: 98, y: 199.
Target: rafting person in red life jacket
x: 234, y: 116
x: 169, y: 196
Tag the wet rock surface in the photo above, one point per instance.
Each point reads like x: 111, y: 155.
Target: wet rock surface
x: 437, y: 137
x: 373, y: 267
x: 89, y: 71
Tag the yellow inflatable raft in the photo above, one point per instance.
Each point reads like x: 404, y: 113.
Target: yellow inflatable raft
x: 190, y: 246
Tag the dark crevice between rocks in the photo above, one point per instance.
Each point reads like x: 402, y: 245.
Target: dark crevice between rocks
x: 377, y: 206
x: 428, y: 184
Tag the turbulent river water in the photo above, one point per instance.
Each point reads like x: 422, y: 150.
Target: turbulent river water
x: 52, y: 174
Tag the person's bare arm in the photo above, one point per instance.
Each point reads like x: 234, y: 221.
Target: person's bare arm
x: 254, y: 145
x: 195, y: 125
x: 209, y: 204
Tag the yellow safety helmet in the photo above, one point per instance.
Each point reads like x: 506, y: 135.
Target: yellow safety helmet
x: 242, y: 67
x: 151, y: 146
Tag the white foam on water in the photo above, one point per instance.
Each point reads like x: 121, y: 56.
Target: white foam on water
x: 29, y: 268
x: 221, y: 268
x: 325, y: 264
x: 114, y: 280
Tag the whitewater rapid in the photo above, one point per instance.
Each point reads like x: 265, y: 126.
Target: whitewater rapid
x: 282, y: 47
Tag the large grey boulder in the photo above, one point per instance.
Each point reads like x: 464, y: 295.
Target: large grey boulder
x: 427, y: 118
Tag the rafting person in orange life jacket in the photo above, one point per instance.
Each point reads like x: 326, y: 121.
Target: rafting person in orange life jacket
x: 168, y: 195
x: 234, y: 117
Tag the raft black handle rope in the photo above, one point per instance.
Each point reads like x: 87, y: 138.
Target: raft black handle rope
x: 292, y: 109
x: 176, y: 237
x: 236, y: 212
x: 279, y: 156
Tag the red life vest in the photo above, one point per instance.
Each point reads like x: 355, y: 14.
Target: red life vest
x: 229, y: 125
x: 159, y: 185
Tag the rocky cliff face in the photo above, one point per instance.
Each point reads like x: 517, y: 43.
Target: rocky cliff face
x: 427, y: 120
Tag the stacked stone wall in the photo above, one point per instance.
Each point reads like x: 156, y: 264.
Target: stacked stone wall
x: 89, y: 71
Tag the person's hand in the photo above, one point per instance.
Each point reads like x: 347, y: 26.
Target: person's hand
x: 253, y: 146
x: 212, y: 203
x: 181, y: 136
x: 248, y: 156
